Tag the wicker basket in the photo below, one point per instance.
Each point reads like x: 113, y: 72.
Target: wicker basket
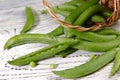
x: 114, y: 5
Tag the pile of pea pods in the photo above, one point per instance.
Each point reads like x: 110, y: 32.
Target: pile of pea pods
x: 77, y: 12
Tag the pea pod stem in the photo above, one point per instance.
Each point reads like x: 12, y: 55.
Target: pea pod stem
x: 39, y: 54
x: 89, y: 67
x: 30, y: 20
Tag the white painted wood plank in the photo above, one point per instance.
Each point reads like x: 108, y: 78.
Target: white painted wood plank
x: 12, y: 19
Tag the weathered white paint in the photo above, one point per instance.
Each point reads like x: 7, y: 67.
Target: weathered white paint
x: 12, y: 19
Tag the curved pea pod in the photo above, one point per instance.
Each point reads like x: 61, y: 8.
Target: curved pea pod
x: 89, y: 67
x: 28, y: 38
x: 35, y: 38
x: 107, y: 14
x: 88, y: 13
x: 116, y: 65
x: 91, y: 36
x: 98, y: 18
x: 108, y: 31
x: 97, y: 46
x: 56, y: 32
x: 40, y: 54
x: 75, y: 13
x: 30, y: 20
x: 66, y: 52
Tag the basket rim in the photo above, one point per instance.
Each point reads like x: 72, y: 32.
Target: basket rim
x: 110, y: 20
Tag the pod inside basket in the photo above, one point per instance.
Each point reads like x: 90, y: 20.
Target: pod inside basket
x: 114, y: 5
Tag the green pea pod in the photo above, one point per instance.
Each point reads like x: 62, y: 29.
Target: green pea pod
x: 42, y: 38
x: 97, y: 18
x: 88, y: 13
x: 116, y: 65
x: 66, y: 7
x: 27, y: 38
x: 98, y: 46
x: 89, y: 67
x: 91, y: 36
x: 39, y: 54
x: 108, y: 31
x: 107, y: 13
x: 34, y: 38
x: 65, y: 52
x: 30, y: 21
x: 56, y: 32
x: 73, y: 16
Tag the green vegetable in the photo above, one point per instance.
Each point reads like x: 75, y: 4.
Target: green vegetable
x: 88, y: 13
x: 28, y: 38
x: 42, y: 38
x: 107, y: 13
x: 116, y: 65
x: 66, y: 52
x: 97, y: 18
x: 92, y: 56
x: 73, y: 15
x: 91, y: 36
x: 53, y: 66
x: 66, y: 8
x: 39, y: 54
x: 108, y: 31
x: 34, y: 38
x: 56, y: 32
x: 32, y: 64
x: 97, y: 46
x: 30, y: 21
x: 89, y: 67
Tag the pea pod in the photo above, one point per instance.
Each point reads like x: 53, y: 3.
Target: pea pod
x: 116, y: 65
x: 73, y: 16
x: 89, y: 67
x: 91, y: 36
x: 108, y: 31
x: 107, y: 14
x: 66, y: 7
x: 97, y: 46
x: 88, y: 13
x: 56, y: 32
x: 39, y: 54
x: 34, y: 38
x: 97, y: 18
x: 30, y: 20
x: 28, y: 38
x: 42, y: 38
x: 65, y: 52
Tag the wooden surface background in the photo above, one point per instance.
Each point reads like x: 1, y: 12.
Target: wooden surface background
x: 12, y: 19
